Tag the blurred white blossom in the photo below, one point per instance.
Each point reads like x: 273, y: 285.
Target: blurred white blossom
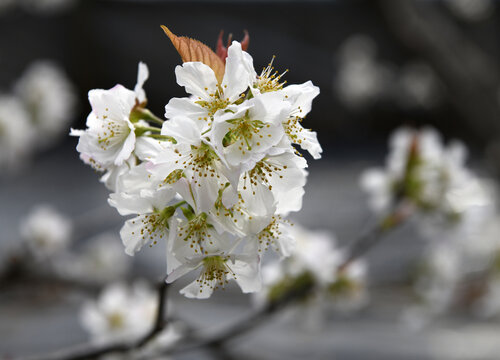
x: 121, y: 313
x: 361, y: 77
x: 432, y: 178
x: 48, y: 6
x: 99, y: 260
x: 46, y: 231
x: 418, y: 85
x: 316, y: 260
x: 439, y: 274
x: 49, y: 97
x: 16, y: 133
x: 471, y: 10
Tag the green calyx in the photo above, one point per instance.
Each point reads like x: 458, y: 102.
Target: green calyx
x: 294, y: 288
x: 139, y: 112
x: 342, y: 286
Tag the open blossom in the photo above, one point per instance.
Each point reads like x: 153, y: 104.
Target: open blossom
x: 208, y: 96
x: 217, y: 180
x: 215, y: 271
x: 49, y: 97
x: 299, y: 99
x: 110, y: 135
x: 243, y: 134
x: 46, y: 231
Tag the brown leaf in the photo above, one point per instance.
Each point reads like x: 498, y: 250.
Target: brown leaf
x: 194, y: 50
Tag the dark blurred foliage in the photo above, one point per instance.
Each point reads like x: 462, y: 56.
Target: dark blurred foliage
x: 99, y: 43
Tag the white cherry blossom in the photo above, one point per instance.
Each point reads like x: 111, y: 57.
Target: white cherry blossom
x: 243, y: 134
x: 215, y: 272
x: 194, y: 159
x: 208, y: 96
x: 110, y: 135
x: 50, y: 98
x: 151, y: 223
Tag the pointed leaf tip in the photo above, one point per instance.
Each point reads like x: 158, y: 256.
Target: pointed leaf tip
x: 194, y: 50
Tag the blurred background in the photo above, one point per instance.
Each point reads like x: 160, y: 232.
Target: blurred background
x: 379, y: 64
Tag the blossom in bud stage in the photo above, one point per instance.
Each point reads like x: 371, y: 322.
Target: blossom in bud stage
x: 216, y: 179
x: 121, y: 313
x: 46, y: 231
x: 222, y: 50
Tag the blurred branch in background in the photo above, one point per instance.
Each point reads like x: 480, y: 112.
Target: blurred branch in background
x: 471, y: 76
x: 299, y: 290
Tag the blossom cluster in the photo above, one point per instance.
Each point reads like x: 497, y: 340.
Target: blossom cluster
x: 432, y: 179
x: 454, y: 210
x: 216, y: 179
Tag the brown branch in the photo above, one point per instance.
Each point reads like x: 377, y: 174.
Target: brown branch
x: 93, y: 352
x: 370, y: 238
x: 197, y: 341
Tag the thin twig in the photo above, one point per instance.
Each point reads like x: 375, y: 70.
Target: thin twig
x: 92, y: 352
x: 370, y: 238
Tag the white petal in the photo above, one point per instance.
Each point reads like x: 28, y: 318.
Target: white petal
x: 135, y: 234
x: 246, y: 270
x: 142, y: 76
x: 195, y: 290
x: 198, y: 79
x: 127, y: 147
x: 301, y: 97
x: 183, y: 129
x: 239, y: 73
x: 184, y: 107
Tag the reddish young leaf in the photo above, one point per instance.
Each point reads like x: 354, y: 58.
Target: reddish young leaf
x: 222, y: 50
x: 194, y: 50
